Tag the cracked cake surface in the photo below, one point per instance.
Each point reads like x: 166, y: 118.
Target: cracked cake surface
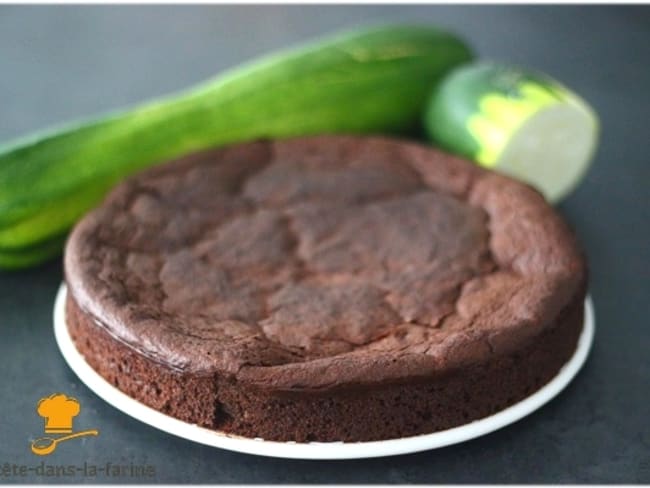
x: 320, y: 261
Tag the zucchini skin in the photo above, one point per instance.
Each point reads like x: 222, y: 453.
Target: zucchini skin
x: 477, y: 107
x: 371, y: 80
x: 14, y: 259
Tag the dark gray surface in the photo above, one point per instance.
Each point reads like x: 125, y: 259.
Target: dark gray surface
x: 58, y: 63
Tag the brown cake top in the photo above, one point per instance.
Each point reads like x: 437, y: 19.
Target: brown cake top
x: 322, y: 261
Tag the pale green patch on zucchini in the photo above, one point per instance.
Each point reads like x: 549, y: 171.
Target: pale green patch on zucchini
x: 519, y: 122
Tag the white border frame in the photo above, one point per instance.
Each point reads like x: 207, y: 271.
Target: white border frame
x: 317, y: 450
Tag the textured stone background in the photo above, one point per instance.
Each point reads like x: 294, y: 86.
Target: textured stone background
x: 58, y: 63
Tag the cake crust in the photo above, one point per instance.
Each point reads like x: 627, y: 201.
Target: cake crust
x: 318, y: 277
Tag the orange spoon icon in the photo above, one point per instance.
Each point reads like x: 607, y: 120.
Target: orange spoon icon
x: 47, y: 445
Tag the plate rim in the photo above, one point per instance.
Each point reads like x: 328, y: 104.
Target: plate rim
x: 318, y: 450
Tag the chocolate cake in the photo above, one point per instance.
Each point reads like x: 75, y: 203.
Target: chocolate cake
x: 330, y: 288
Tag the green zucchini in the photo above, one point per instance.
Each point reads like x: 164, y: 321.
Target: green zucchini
x: 370, y: 80
x: 31, y: 255
x: 517, y: 121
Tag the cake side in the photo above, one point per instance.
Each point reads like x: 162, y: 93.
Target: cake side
x: 362, y: 413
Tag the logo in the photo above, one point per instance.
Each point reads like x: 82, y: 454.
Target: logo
x: 58, y: 410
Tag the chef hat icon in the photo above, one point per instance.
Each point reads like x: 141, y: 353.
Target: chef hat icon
x: 58, y: 410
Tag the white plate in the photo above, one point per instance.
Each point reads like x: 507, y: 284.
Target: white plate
x: 317, y: 450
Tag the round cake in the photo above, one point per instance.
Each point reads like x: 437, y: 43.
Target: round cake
x: 328, y: 288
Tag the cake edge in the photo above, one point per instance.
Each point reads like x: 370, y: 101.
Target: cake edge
x: 352, y: 413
